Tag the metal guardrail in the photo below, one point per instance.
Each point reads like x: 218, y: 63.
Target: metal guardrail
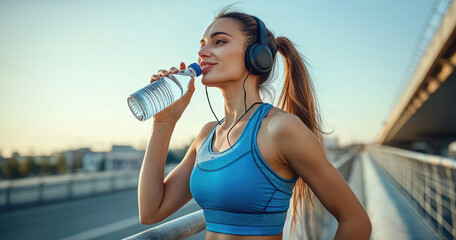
x: 180, y: 228
x: 191, y: 224
x: 427, y: 180
x: 51, y: 188
x: 317, y: 223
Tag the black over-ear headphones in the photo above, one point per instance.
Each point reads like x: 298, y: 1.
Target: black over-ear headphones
x: 258, y: 56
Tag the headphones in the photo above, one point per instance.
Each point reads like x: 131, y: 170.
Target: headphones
x: 258, y: 56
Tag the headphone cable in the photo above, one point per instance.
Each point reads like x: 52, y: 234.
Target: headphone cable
x: 245, y: 107
x: 207, y: 96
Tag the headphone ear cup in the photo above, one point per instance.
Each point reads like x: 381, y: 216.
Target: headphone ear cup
x: 249, y: 64
x: 262, y: 58
x: 258, y: 58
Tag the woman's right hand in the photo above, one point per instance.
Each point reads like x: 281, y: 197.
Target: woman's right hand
x: 171, y: 114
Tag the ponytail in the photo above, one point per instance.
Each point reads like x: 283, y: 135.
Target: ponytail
x: 297, y: 97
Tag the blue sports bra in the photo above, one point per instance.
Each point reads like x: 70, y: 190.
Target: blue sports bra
x: 237, y: 190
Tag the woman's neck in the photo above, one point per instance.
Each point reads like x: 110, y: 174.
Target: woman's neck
x: 234, y: 101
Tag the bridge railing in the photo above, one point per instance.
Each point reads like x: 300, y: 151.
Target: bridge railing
x: 191, y: 224
x: 321, y: 224
x: 52, y: 188
x: 427, y: 180
x: 180, y: 228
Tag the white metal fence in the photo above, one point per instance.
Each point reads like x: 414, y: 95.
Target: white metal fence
x: 427, y: 180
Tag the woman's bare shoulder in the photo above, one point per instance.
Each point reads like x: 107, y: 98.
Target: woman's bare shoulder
x: 279, y: 116
x: 280, y: 122
x: 207, y: 128
x: 204, y: 132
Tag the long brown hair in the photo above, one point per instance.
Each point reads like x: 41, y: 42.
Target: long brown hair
x: 297, y: 96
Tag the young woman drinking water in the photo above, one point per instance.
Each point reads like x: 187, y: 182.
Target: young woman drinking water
x: 244, y: 169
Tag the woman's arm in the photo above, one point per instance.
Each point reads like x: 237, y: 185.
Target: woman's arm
x: 150, y: 186
x: 158, y: 198
x: 303, y: 152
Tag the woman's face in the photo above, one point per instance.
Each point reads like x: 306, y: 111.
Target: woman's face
x: 222, y: 53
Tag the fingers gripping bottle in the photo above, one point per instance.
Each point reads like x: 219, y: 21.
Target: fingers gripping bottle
x: 161, y: 93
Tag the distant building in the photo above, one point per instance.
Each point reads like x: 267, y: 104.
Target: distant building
x: 93, y: 161
x: 124, y: 157
x: 120, y: 157
x: 74, y: 158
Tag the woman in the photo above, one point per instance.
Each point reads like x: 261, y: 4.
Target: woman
x: 244, y: 169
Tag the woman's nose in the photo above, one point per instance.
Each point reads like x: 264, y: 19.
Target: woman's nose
x: 204, y: 52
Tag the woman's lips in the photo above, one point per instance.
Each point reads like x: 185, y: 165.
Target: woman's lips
x: 207, y: 67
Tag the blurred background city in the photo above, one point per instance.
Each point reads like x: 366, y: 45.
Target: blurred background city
x: 70, y: 149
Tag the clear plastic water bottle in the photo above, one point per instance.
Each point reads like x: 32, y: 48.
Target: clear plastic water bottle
x: 161, y: 93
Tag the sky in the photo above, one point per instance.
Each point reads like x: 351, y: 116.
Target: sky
x: 67, y: 67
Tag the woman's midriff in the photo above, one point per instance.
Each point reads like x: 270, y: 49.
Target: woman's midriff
x: 221, y: 236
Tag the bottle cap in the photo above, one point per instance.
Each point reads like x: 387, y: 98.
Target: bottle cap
x: 197, y: 68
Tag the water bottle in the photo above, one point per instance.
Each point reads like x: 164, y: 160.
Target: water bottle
x: 161, y: 93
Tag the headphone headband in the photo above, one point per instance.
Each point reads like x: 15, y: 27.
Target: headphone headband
x: 262, y: 33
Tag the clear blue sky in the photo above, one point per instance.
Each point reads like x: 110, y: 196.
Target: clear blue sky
x: 67, y: 67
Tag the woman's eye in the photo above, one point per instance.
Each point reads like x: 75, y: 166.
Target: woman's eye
x: 219, y: 42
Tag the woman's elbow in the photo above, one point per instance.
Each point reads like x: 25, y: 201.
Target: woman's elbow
x: 367, y: 225
x: 145, y: 220
x: 363, y: 226
x: 358, y: 225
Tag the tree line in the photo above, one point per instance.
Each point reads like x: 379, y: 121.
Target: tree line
x: 14, y: 168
